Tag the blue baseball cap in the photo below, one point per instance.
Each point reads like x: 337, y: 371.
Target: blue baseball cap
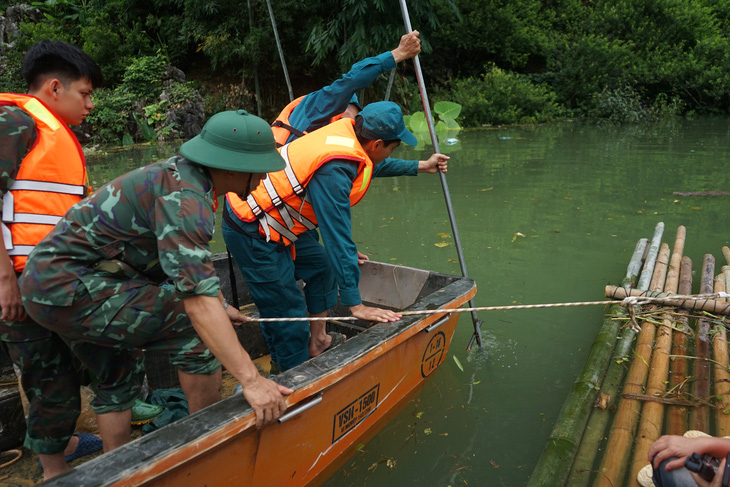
x: 384, y: 120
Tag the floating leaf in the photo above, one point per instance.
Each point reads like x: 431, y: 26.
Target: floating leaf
x: 442, y: 244
x: 418, y: 416
x: 518, y: 234
x: 494, y: 464
x: 428, y: 431
x: 360, y: 447
x: 458, y: 364
x: 443, y: 235
x: 602, y: 401
x: 486, y: 189
x: 475, y: 383
x: 390, y: 463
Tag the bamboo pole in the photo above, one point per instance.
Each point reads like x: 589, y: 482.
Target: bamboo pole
x: 699, y: 418
x: 613, y: 466
x: 593, y: 436
x: 677, y: 415
x: 715, y: 306
x: 720, y: 364
x: 652, y: 413
x: 554, y: 464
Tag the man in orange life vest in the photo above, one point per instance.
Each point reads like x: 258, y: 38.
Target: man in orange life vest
x: 326, y: 105
x: 327, y: 172
x: 42, y: 174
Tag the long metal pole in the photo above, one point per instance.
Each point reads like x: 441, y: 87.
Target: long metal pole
x: 281, y: 52
x: 444, y: 185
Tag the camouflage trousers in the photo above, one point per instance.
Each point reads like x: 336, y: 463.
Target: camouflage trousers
x: 108, y: 336
x: 51, y: 380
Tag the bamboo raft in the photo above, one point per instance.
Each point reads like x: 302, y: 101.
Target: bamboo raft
x: 654, y: 369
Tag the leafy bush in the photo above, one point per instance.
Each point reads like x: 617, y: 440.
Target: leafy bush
x: 499, y: 97
x: 111, y: 118
x: 625, y: 105
x: 143, y: 77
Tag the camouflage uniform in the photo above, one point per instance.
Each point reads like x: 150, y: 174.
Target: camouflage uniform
x: 110, y: 278
x: 47, y: 369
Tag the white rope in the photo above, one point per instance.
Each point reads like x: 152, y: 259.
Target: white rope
x: 626, y: 302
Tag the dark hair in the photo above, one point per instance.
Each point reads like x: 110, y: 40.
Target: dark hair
x: 60, y: 59
x: 362, y: 137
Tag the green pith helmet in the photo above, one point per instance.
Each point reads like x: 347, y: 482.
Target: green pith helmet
x: 235, y: 141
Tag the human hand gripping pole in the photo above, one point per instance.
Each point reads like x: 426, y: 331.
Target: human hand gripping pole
x: 444, y: 185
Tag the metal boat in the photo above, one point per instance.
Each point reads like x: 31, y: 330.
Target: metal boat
x: 341, y: 398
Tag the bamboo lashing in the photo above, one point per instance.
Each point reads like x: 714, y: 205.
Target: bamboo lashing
x: 696, y: 302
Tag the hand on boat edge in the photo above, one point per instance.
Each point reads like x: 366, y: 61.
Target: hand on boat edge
x: 370, y: 313
x: 266, y: 397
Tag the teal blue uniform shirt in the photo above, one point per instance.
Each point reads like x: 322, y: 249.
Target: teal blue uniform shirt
x: 329, y: 192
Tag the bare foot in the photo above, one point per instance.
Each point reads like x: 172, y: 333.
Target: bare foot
x: 319, y: 344
x: 73, y: 443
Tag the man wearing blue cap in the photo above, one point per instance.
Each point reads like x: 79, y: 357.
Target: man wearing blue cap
x: 129, y: 268
x: 272, y: 236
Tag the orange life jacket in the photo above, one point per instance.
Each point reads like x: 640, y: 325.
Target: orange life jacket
x: 280, y: 202
x: 51, y: 179
x: 281, y: 127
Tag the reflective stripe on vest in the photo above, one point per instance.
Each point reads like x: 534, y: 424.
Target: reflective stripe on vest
x: 280, y: 202
x: 48, y: 187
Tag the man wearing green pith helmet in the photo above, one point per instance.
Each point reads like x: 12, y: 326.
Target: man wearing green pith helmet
x: 130, y: 267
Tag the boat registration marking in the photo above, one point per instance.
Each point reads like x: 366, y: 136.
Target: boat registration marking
x: 353, y: 414
x: 434, y: 354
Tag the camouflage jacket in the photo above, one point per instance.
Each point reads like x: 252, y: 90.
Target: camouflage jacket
x: 17, y: 136
x: 152, y: 225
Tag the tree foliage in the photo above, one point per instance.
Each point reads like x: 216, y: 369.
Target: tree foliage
x: 580, y: 57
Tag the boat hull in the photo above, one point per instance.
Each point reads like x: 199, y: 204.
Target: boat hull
x: 341, y: 398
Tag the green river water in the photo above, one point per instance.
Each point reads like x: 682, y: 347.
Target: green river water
x: 546, y: 214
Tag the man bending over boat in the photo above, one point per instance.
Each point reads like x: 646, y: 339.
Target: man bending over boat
x: 130, y: 267
x: 327, y: 105
x: 272, y: 235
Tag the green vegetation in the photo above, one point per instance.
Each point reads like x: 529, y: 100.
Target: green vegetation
x: 504, y: 62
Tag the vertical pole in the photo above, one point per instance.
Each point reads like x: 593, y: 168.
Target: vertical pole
x: 255, y: 69
x: 281, y: 52
x: 444, y: 185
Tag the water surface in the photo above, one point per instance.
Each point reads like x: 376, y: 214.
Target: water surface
x: 546, y: 214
